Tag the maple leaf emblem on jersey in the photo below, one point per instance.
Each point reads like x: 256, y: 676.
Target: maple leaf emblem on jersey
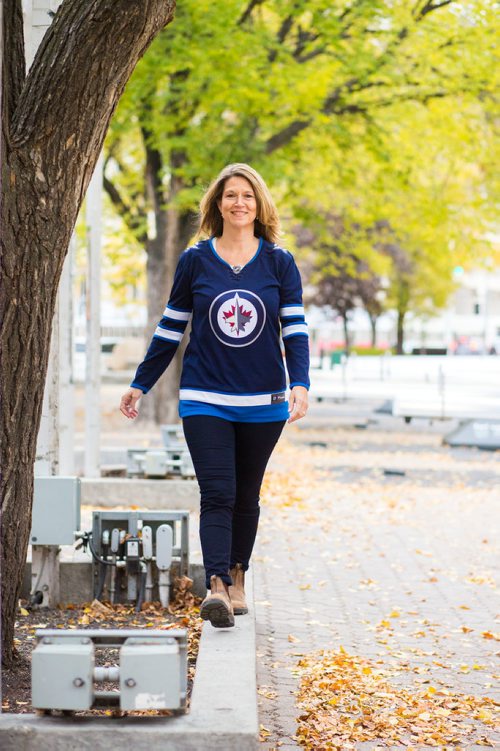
x: 237, y: 317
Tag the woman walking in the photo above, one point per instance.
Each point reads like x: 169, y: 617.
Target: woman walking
x: 241, y: 292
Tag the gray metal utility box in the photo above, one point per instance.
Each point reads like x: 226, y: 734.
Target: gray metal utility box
x: 56, y: 510
x: 63, y: 673
x: 151, y: 674
x: 144, y: 668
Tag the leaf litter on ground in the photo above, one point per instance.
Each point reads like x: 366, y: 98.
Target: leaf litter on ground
x: 409, y: 716
x: 345, y: 699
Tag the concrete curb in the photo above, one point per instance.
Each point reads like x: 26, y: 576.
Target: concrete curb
x: 223, y: 712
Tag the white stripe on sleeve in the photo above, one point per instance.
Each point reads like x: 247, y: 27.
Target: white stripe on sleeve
x: 171, y: 336
x: 177, y: 315
x: 291, y: 310
x: 298, y: 328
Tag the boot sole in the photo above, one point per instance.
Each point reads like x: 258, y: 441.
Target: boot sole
x: 218, y: 614
x: 240, y: 611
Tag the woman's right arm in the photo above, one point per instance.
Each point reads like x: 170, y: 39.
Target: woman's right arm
x: 166, y: 338
x: 128, y: 403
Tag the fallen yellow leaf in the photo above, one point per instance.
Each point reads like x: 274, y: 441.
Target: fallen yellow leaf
x: 490, y: 635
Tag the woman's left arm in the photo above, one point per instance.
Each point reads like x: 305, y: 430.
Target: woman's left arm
x: 295, y: 339
x: 297, y: 403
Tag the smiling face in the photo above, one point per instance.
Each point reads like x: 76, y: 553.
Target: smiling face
x: 238, y: 205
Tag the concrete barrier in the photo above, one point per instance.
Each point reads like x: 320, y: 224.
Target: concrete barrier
x: 148, y: 494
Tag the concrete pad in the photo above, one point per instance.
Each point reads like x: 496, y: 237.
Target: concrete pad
x: 451, y: 405
x: 148, y: 494
x: 223, y: 712
x: 482, y: 434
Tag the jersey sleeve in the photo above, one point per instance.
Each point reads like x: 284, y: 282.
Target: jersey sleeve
x: 294, y: 327
x: 169, y: 331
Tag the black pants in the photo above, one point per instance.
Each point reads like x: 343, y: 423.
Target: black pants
x: 230, y: 459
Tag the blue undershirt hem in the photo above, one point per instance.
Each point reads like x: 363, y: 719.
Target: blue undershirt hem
x: 265, y: 413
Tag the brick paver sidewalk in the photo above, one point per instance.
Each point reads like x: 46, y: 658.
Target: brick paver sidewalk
x: 390, y: 566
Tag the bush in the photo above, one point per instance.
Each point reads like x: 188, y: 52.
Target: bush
x: 368, y: 351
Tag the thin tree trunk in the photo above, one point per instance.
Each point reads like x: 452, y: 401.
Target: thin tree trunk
x: 400, y: 332
x: 166, y: 391
x: 156, y: 264
x: 53, y: 128
x: 346, y: 334
x: 403, y: 302
x: 174, y: 230
x: 373, y: 328
x: 180, y: 227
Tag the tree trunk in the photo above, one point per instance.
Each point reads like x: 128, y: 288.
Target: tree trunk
x: 165, y: 395
x: 403, y: 300
x: 400, y: 332
x: 53, y: 128
x: 373, y: 328
x: 346, y: 333
x: 174, y: 230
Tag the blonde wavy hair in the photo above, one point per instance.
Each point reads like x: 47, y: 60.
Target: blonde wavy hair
x: 267, y: 223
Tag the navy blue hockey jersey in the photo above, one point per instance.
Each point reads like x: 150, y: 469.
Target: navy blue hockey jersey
x: 233, y: 365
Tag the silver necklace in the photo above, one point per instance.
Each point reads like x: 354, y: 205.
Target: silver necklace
x: 237, y: 267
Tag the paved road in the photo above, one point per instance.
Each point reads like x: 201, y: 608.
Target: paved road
x: 357, y: 548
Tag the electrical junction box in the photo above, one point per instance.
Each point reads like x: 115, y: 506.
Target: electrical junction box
x: 152, y: 670
x: 173, y: 436
x: 173, y: 459
x: 130, y: 524
x: 56, y: 510
x: 150, y: 674
x: 62, y: 673
x: 187, y: 466
x: 155, y: 464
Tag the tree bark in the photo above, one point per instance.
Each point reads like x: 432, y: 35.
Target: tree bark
x: 347, y: 339
x: 174, y: 230
x: 403, y: 300
x: 166, y: 395
x: 53, y: 127
x: 400, y: 332
x: 373, y: 328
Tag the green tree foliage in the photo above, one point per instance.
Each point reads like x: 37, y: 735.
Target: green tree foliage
x: 369, y: 111
x: 425, y: 201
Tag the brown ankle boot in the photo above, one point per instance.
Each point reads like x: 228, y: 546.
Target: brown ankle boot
x: 216, y: 607
x: 237, y: 590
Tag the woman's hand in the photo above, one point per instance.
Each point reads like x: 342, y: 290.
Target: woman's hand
x: 129, y: 401
x: 297, y: 403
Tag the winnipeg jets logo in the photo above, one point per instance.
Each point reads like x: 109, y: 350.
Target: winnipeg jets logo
x: 237, y: 317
